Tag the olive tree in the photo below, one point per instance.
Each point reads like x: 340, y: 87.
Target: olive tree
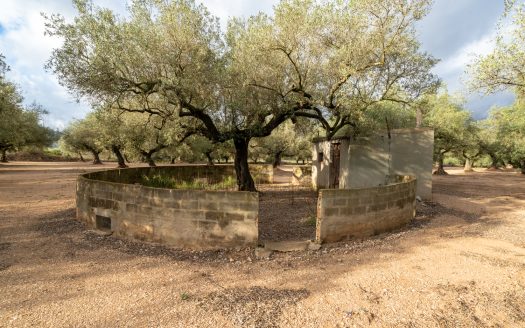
x: 324, y: 60
x: 146, y: 135
x: 451, y: 123
x: 83, y: 136
x: 509, y: 125
x: 504, y: 67
x: 19, y: 125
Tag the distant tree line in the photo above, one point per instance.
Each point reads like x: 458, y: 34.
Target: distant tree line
x: 20, y: 125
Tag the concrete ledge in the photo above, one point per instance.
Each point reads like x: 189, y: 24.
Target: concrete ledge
x: 111, y: 201
x: 356, y: 213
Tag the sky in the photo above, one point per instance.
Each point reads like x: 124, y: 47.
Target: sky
x: 454, y: 31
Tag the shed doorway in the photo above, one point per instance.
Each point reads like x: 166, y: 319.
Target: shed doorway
x: 335, y: 160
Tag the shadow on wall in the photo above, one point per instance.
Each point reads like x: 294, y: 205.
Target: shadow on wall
x: 356, y: 213
x: 366, y: 162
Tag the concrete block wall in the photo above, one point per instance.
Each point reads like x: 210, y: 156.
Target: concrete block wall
x: 181, y: 218
x: 356, y: 213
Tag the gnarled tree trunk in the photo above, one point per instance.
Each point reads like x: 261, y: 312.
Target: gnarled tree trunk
x: 440, y: 170
x: 149, y: 159
x: 495, y: 161
x: 468, y: 165
x: 148, y: 155
x: 120, y: 159
x: 277, y: 159
x: 96, y: 157
x: 242, y: 170
x: 81, y: 157
x: 4, y: 156
x: 208, y: 156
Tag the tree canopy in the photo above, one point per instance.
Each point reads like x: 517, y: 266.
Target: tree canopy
x: 504, y: 67
x: 453, y: 126
x: 325, y: 60
x: 19, y: 125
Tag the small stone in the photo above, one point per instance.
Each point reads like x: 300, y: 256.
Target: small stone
x: 313, y: 246
x: 263, y: 253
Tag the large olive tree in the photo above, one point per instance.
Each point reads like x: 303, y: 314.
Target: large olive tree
x: 324, y: 60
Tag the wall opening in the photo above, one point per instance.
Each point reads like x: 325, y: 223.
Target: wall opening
x: 103, y: 223
x: 335, y: 156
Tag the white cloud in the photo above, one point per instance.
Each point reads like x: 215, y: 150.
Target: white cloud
x: 27, y: 49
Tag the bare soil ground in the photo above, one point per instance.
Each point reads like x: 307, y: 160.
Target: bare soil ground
x: 461, y: 263
x: 286, y: 211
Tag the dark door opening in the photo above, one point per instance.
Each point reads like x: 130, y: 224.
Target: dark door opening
x: 103, y: 223
x: 335, y: 158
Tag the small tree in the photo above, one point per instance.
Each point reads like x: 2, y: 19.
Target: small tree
x: 509, y: 123
x: 111, y: 132
x: 146, y: 135
x: 451, y: 124
x: 19, y: 126
x: 470, y: 147
x: 82, y: 135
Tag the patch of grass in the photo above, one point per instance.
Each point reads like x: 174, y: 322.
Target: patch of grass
x: 161, y: 181
x: 184, y: 296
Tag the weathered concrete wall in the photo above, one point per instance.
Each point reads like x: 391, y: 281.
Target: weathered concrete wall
x: 412, y: 151
x: 181, y: 218
x: 356, y: 213
x: 320, y: 168
x: 367, y: 162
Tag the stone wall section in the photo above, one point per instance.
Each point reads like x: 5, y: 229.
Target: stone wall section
x: 357, y: 213
x: 180, y: 218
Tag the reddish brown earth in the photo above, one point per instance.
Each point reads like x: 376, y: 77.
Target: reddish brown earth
x: 461, y: 263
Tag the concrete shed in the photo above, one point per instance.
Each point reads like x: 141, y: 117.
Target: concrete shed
x: 347, y: 163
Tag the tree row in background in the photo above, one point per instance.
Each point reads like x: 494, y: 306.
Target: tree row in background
x: 140, y: 137
x: 20, y: 125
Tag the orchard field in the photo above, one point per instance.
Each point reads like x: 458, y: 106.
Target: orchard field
x: 460, y: 263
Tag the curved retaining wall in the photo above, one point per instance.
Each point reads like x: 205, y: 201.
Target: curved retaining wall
x: 355, y: 213
x: 110, y: 200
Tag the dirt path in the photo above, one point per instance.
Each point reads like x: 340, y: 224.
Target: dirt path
x: 462, y: 263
